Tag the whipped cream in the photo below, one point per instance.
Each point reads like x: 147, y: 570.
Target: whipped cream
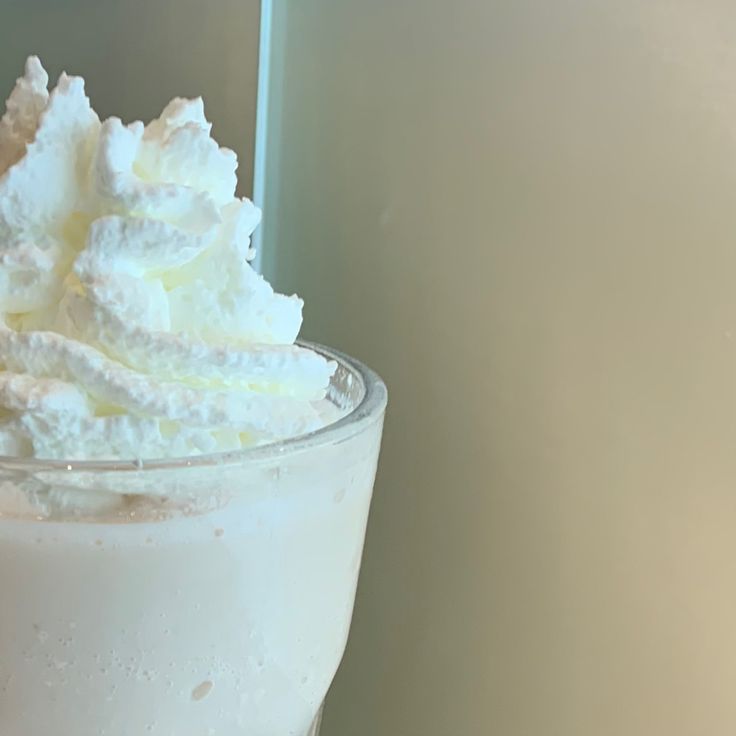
x: 131, y: 322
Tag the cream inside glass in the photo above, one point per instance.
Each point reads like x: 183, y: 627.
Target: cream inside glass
x: 184, y: 487
x: 205, y: 596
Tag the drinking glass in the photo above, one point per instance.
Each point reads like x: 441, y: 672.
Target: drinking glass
x: 190, y: 597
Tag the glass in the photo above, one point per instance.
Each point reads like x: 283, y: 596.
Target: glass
x: 208, y: 595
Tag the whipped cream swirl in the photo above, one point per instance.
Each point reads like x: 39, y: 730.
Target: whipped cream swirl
x: 131, y: 322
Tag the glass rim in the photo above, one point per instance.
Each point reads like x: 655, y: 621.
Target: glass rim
x: 368, y: 409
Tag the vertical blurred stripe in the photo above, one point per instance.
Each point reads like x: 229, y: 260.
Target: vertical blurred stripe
x: 262, y: 121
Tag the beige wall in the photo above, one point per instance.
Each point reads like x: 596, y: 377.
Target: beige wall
x: 522, y: 213
x: 138, y: 54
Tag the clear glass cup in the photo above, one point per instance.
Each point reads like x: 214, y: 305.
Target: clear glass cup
x: 209, y: 595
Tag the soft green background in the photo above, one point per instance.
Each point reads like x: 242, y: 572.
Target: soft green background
x: 137, y: 54
x: 523, y: 214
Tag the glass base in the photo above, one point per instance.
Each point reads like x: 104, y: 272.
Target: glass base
x: 314, y: 730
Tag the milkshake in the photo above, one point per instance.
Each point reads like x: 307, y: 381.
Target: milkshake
x: 184, y: 489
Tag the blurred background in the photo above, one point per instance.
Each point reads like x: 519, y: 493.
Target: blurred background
x: 521, y: 213
x: 135, y: 55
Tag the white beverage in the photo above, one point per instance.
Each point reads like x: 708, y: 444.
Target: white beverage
x: 222, y: 608
x: 183, y: 489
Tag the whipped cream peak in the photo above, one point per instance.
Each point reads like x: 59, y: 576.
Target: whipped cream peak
x: 24, y: 106
x: 131, y: 321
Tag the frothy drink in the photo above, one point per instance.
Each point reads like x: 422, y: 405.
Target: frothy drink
x: 184, y: 490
